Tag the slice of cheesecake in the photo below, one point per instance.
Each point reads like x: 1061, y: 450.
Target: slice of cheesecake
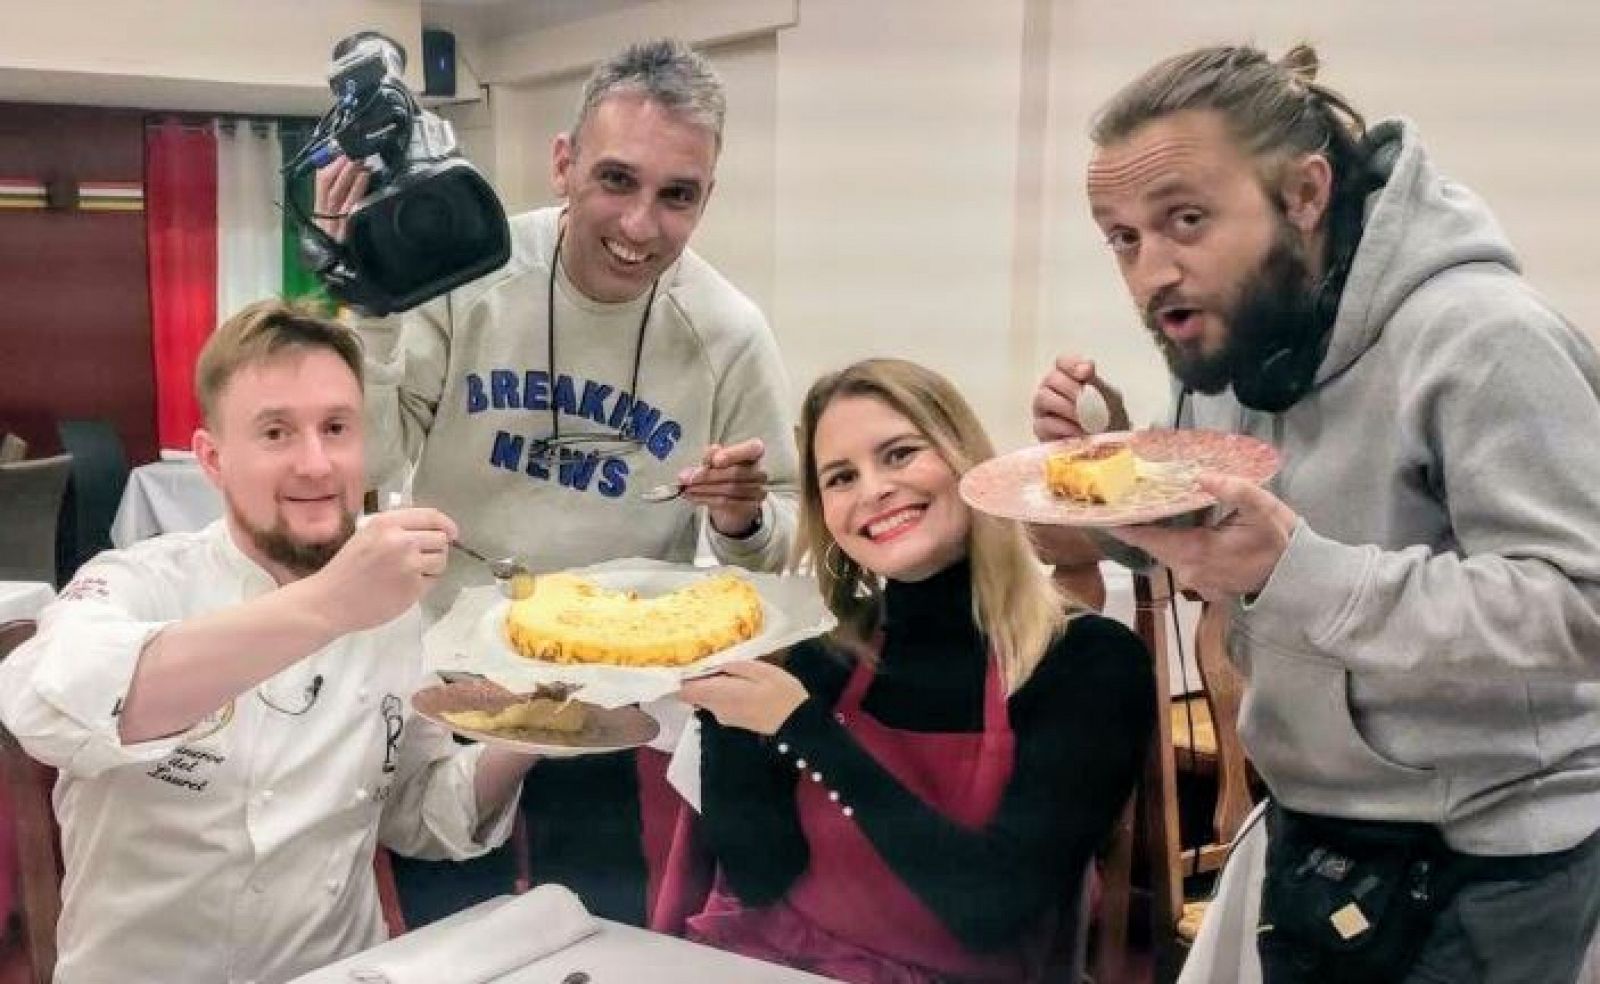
x: 1103, y: 473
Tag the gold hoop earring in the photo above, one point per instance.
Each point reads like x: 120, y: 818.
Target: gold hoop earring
x: 827, y: 561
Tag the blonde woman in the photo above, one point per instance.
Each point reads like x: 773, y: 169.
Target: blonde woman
x: 909, y: 799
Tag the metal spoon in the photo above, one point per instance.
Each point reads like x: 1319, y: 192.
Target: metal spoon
x: 1094, y: 415
x: 502, y: 569
x: 670, y: 491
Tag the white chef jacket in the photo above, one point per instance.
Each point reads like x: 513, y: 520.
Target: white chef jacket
x: 240, y: 850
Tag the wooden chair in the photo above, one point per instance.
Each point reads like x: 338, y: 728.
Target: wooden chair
x: 28, y: 787
x: 1150, y: 818
x: 1214, y: 747
x: 1151, y: 815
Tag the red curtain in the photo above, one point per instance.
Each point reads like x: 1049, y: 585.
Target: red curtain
x: 180, y: 171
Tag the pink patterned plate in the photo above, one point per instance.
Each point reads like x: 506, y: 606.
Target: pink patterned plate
x: 1013, y: 485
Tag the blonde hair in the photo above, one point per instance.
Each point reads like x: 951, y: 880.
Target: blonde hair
x: 1015, y: 605
x: 260, y: 331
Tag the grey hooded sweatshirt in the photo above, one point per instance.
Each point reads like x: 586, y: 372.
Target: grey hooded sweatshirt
x: 1428, y: 648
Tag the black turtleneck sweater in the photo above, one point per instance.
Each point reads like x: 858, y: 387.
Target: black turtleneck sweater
x: 1082, y: 721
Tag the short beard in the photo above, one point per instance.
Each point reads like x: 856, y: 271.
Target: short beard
x: 299, y: 558
x: 1274, y: 304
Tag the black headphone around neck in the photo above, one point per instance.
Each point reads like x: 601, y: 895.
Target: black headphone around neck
x: 1284, y: 373
x: 1286, y: 370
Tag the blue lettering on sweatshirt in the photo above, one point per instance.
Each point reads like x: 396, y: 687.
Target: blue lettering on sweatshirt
x: 577, y: 470
x: 593, y: 404
x: 588, y: 403
x: 503, y: 390
x: 613, y: 478
x: 565, y: 399
x: 507, y: 452
x: 536, y: 390
x: 476, y: 401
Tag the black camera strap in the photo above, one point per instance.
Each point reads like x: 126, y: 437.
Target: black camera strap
x: 626, y: 431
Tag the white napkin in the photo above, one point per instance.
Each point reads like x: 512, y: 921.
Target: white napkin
x: 523, y: 930
x: 673, y: 715
x: 683, y: 769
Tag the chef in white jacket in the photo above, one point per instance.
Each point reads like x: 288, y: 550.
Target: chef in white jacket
x: 229, y: 709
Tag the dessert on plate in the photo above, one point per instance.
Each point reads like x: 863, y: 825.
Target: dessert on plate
x: 549, y: 710
x: 1102, y: 473
x: 570, y: 619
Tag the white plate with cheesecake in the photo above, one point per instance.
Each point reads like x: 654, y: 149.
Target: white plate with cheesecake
x: 1122, y: 478
x: 609, y: 636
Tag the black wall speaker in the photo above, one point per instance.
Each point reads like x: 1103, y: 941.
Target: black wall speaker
x: 438, y: 63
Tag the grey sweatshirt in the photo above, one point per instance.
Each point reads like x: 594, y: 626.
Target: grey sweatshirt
x: 463, y: 387
x: 1428, y: 648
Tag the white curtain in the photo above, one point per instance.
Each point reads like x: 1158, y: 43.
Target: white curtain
x: 249, y: 225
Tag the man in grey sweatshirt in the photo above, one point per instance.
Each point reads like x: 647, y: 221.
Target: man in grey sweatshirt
x: 538, y: 402
x: 1416, y: 601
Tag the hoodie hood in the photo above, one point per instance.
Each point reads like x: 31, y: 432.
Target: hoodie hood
x: 1418, y: 225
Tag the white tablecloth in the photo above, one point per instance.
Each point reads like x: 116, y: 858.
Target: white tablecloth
x: 164, y: 497
x: 618, y: 954
x: 23, y: 599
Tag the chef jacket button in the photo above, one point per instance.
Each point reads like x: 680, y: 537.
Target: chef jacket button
x: 361, y: 795
x: 800, y: 764
x: 363, y: 694
x: 816, y: 777
x: 783, y: 748
x: 332, y: 885
x: 849, y: 811
x: 266, y: 796
x: 833, y: 795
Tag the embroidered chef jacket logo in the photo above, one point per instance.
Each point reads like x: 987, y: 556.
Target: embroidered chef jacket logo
x: 188, y: 768
x: 393, y: 723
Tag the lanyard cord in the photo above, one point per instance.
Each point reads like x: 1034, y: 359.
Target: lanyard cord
x: 625, y: 432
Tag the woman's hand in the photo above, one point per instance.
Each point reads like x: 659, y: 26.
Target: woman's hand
x: 748, y: 694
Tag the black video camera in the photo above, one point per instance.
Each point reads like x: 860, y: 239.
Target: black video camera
x: 429, y: 221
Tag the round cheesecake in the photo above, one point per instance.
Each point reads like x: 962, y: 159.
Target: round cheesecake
x: 569, y: 619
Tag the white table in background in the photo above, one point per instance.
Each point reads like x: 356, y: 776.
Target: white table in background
x: 618, y: 954
x: 24, y: 599
x: 167, y: 496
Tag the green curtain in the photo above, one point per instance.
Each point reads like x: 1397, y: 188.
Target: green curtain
x: 299, y: 283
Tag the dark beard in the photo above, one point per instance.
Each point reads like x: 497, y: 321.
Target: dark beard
x: 298, y: 558
x: 1274, y: 307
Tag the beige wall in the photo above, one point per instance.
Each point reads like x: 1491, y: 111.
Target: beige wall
x: 1506, y: 96
x: 927, y: 157
x: 896, y: 187
x: 904, y: 176
x: 243, y: 55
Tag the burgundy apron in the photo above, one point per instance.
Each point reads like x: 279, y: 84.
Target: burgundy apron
x: 849, y: 916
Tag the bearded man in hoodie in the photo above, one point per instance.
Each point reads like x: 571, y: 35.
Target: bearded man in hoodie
x: 1416, y: 600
